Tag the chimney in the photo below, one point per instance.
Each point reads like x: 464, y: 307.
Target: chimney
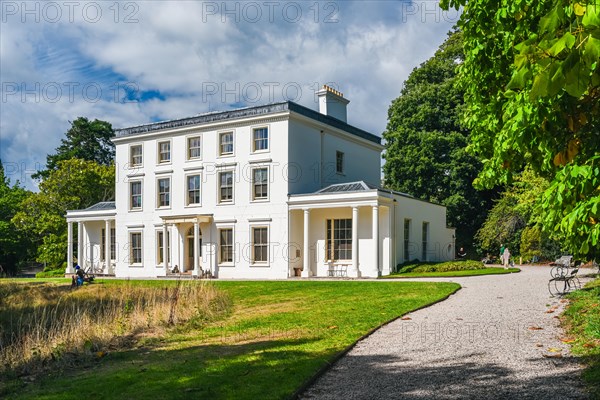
x: 332, y: 103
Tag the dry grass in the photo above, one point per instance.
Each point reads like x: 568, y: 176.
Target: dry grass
x: 40, y: 322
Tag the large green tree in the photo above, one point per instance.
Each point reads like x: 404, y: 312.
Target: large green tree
x: 515, y: 222
x: 86, y: 140
x: 426, y: 144
x: 15, y: 245
x: 74, y: 184
x: 532, y: 91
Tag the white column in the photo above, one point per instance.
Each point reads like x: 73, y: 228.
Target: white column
x: 375, y: 241
x: 69, y: 269
x: 196, y: 270
x: 165, y: 249
x: 306, y: 246
x: 107, y: 246
x: 80, y: 244
x: 355, y: 241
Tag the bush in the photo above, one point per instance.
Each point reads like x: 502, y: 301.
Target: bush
x: 51, y: 273
x: 462, y: 265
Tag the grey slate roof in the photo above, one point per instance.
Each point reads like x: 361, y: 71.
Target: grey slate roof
x: 359, y: 186
x: 248, y: 112
x: 348, y: 187
x: 103, y: 205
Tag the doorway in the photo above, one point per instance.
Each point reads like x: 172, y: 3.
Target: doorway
x: 190, y: 249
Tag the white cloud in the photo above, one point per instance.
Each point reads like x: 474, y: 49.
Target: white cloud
x: 182, y: 48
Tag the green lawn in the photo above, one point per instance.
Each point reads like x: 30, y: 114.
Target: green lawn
x: 473, y: 272
x: 278, y: 335
x: 582, y: 322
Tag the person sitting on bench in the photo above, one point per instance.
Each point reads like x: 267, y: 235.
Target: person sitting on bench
x: 80, y: 275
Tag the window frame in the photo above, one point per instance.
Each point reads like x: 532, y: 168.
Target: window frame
x: 131, y: 195
x: 265, y: 245
x: 406, y: 238
x: 255, y: 140
x: 219, y: 187
x: 331, y: 242
x: 187, y: 190
x: 340, y: 163
x: 132, y: 164
x: 228, y: 262
x: 189, y: 148
x: 159, y: 153
x: 253, y: 184
x: 425, y: 240
x: 220, y: 144
x: 113, y: 242
x: 159, y: 193
x: 132, y: 260
x: 160, y: 246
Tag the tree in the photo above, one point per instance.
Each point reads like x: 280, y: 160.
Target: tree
x: 426, y: 144
x: 515, y: 221
x: 15, y: 246
x: 532, y: 92
x: 86, y: 140
x: 74, y: 184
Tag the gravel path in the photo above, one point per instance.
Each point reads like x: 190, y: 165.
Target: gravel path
x: 496, y: 338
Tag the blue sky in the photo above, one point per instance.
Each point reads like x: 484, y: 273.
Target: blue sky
x: 134, y: 62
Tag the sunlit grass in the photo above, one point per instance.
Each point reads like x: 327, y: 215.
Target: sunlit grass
x: 276, y: 337
x: 582, y: 322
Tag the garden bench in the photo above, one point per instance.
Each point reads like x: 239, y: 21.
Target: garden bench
x: 337, y: 270
x: 564, y: 282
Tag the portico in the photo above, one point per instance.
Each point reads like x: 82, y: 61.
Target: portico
x: 96, y: 244
x: 189, y: 252
x: 346, y: 225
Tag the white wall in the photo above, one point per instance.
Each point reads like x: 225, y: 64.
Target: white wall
x: 241, y: 211
x: 439, y: 236
x: 314, y: 154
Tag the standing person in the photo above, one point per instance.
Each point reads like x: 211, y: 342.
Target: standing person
x: 501, y: 253
x: 505, y: 257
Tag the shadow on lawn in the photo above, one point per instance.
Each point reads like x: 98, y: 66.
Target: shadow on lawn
x: 386, y: 377
x: 268, y: 369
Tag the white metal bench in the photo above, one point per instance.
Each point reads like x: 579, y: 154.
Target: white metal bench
x: 337, y: 270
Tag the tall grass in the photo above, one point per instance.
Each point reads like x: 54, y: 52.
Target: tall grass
x: 43, y: 322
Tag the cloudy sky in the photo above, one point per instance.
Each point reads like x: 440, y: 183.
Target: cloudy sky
x: 140, y: 61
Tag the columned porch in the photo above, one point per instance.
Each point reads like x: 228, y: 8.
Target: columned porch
x: 189, y: 247
x: 347, y: 234
x: 92, y: 232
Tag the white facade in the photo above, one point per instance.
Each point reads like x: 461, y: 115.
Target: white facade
x: 254, y: 193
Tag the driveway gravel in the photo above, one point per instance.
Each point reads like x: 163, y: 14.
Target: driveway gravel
x: 496, y: 338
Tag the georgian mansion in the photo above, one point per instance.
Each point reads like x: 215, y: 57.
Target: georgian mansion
x: 272, y: 191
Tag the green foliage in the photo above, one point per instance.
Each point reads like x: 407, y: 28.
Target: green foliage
x: 531, y: 77
x: 15, y: 246
x: 515, y: 222
x: 86, y: 140
x: 466, y: 265
x: 51, y: 273
x: 425, y: 142
x: 74, y: 184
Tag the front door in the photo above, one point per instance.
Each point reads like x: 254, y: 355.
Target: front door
x: 190, y: 246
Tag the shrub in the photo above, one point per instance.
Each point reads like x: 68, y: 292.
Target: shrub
x: 461, y: 265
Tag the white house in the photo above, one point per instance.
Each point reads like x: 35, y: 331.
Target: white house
x: 258, y: 192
